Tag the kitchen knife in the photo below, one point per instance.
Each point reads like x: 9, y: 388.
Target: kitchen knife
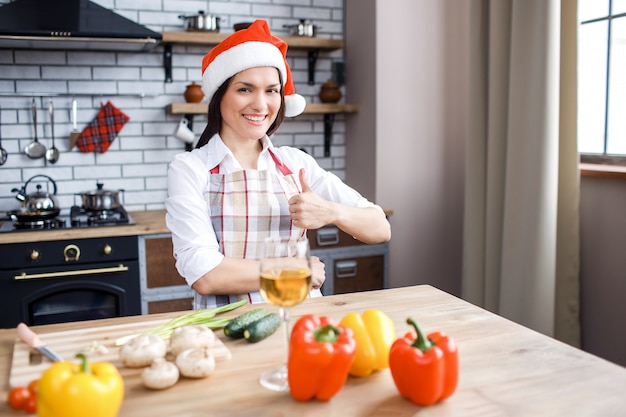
x: 31, y: 339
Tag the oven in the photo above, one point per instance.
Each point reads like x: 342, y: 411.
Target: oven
x: 68, y: 280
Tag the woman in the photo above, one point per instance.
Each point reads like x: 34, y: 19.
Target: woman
x: 236, y: 188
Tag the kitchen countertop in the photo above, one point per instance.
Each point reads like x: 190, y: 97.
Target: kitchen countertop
x: 147, y: 223
x: 506, y: 369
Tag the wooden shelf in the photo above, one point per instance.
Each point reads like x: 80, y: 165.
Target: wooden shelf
x: 325, y: 108
x: 311, y: 108
x: 211, y: 38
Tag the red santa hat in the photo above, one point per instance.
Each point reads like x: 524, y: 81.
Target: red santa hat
x: 248, y: 48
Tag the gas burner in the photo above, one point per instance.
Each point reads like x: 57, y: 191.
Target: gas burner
x: 101, y: 214
x: 40, y: 224
x: 81, y: 217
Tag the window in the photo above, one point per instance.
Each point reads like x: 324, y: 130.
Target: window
x: 602, y: 81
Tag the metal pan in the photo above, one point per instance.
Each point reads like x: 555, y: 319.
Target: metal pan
x: 24, y: 215
x: 35, y: 150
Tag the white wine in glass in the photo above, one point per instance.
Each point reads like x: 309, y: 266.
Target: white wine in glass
x: 285, y: 268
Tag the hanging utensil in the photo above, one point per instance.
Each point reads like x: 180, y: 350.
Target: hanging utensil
x: 3, y: 152
x: 75, y: 132
x: 35, y: 150
x: 52, y: 154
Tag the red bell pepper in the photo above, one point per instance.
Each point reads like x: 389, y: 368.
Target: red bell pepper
x: 424, y: 369
x: 320, y: 355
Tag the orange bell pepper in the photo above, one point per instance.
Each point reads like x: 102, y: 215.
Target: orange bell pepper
x: 424, y: 369
x: 320, y: 354
x: 374, y: 332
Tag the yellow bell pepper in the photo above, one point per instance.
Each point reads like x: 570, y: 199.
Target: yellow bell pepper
x: 374, y: 333
x: 68, y: 389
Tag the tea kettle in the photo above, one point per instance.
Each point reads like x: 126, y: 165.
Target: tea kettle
x: 40, y: 200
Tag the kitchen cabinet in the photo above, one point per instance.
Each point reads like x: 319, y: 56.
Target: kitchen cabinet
x: 350, y: 265
x: 162, y: 288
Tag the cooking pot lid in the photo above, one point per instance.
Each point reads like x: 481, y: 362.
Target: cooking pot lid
x: 99, y: 191
x: 200, y: 14
x: 40, y: 193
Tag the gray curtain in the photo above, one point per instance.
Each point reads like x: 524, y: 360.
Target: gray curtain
x: 522, y: 185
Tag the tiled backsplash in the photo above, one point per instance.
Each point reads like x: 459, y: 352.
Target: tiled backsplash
x: 134, y: 82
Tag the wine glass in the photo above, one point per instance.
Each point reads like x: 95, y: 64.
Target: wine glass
x: 285, y: 266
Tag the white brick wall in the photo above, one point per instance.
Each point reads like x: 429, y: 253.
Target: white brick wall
x: 137, y: 160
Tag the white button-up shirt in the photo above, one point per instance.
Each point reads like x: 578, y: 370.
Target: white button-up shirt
x: 196, y: 249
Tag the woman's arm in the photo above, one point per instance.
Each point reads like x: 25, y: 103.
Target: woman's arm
x: 231, y: 276
x: 310, y: 211
x: 239, y: 276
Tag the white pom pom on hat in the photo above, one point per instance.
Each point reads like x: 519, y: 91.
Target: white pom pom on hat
x: 252, y: 47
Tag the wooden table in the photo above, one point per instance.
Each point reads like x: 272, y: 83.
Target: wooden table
x: 506, y: 369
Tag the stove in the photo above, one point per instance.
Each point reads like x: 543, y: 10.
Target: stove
x: 79, y: 217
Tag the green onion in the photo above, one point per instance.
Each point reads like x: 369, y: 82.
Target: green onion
x: 202, y: 317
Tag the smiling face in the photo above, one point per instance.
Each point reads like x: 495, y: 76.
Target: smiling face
x: 250, y: 104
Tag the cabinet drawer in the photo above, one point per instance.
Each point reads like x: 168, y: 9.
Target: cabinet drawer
x: 359, y: 274
x: 167, y: 306
x: 160, y: 264
x: 330, y: 237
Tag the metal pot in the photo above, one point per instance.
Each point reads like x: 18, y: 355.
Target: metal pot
x: 40, y: 205
x: 201, y: 22
x: 40, y: 200
x: 100, y: 199
x: 304, y: 28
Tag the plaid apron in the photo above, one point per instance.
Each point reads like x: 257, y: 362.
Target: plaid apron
x: 246, y: 207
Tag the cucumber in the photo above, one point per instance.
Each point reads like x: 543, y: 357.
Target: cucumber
x: 262, y: 328
x: 236, y: 326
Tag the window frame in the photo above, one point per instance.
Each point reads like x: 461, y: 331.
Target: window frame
x: 605, y: 158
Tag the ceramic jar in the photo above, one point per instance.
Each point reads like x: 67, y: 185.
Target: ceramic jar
x: 330, y: 92
x: 193, y: 93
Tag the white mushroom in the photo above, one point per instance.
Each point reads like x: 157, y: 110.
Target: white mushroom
x: 160, y: 375
x: 196, y: 362
x: 142, y: 350
x: 189, y: 337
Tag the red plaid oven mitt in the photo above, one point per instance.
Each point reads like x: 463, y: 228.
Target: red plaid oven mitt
x: 101, y: 132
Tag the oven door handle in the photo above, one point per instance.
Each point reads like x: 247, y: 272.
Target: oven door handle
x: 119, y: 268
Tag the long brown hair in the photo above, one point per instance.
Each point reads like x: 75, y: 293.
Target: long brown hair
x: 214, y: 116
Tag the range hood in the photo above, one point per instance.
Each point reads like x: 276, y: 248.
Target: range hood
x: 70, y: 24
